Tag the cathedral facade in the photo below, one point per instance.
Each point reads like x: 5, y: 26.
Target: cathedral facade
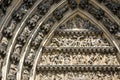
x: 59, y: 39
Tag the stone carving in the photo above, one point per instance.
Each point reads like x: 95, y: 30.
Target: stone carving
x: 99, y: 13
x: 78, y: 58
x: 43, y: 8
x: 63, y: 49
x: 79, y: 41
x: 7, y: 2
x: 36, y: 43
x: 29, y: 3
x: 29, y: 60
x: 59, y: 76
x: 16, y: 54
x: 45, y: 5
x: 8, y: 32
x: 118, y: 35
x: 4, y: 4
x: 111, y: 26
x: 1, y: 64
x: 3, y: 9
x: 78, y: 76
x: 25, y: 75
x: 47, y: 76
x: 3, y: 46
x: 59, y: 12
x: 113, y: 6
x: 12, y: 72
x: 18, y: 15
x: 79, y: 23
x: 45, y: 28
x: 83, y: 4
x: 22, y: 38
x: 37, y: 40
x: 32, y: 22
x: 72, y: 4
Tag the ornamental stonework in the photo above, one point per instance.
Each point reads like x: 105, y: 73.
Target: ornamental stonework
x: 59, y: 39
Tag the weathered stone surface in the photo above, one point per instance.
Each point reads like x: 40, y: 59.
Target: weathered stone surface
x: 59, y: 39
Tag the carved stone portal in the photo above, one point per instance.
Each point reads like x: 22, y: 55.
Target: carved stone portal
x: 59, y: 39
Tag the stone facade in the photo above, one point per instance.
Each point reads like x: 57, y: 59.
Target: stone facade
x: 59, y: 39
